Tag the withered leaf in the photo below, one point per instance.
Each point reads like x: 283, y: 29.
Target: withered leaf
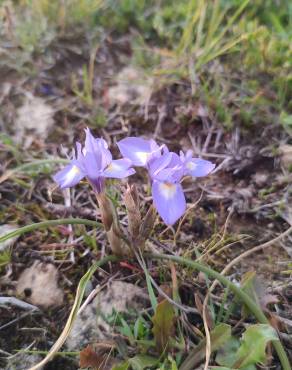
x: 91, y: 359
x: 163, y: 324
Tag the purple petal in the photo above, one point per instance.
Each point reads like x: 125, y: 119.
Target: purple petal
x: 138, y: 150
x: 171, y: 175
x: 169, y: 200
x: 98, y: 184
x: 69, y: 176
x: 91, y: 142
x: 178, y: 168
x: 99, y: 148
x: 158, y: 164
x: 106, y: 156
x: 119, y: 169
x: 167, y: 168
x: 197, y: 167
x: 92, y: 166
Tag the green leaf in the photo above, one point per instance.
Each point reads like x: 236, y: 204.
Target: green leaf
x: 151, y: 293
x: 122, y: 366
x: 173, y: 363
x: 163, y: 324
x: 219, y: 335
x: 286, y: 119
x: 140, y: 328
x: 126, y: 330
x: 248, y: 285
x: 253, y: 346
x: 226, y: 355
x: 141, y: 362
x: 286, y: 122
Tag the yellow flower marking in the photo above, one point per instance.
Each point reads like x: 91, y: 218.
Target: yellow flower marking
x: 191, y: 166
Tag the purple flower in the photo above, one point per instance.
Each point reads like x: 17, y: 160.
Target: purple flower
x: 166, y: 169
x: 139, y: 151
x: 195, y: 167
x: 93, y: 161
x: 168, y: 197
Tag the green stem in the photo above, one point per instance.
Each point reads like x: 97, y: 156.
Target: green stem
x: 250, y: 304
x: 47, y: 224
x: 27, y: 166
x: 39, y: 162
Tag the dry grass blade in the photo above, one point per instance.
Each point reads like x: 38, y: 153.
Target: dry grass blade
x: 207, y: 332
x: 249, y: 252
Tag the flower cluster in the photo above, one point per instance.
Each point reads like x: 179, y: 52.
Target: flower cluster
x: 95, y: 162
x: 166, y: 170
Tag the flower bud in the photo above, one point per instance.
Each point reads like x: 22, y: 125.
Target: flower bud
x: 148, y: 223
x: 106, y: 211
x: 131, y: 200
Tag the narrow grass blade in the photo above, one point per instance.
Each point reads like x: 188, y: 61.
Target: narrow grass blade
x: 200, y: 33
x: 224, y: 49
x: 35, y: 164
x: 215, y: 20
x: 47, y: 224
x: 186, y: 39
x: 151, y: 293
x: 212, y: 49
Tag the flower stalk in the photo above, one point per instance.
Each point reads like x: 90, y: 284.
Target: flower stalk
x: 111, y: 225
x: 125, y: 242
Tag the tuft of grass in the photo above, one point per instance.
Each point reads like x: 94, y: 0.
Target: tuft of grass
x: 64, y: 14
x: 208, y: 32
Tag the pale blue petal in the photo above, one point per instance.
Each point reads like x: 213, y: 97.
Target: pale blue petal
x: 69, y: 176
x: 99, y: 148
x: 119, y: 169
x: 158, y: 164
x: 106, y: 156
x: 167, y: 168
x: 91, y: 168
x: 138, y: 150
x: 169, y: 201
x: 198, y: 167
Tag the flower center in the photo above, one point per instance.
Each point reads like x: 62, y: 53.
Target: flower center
x: 167, y: 189
x: 191, y: 166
